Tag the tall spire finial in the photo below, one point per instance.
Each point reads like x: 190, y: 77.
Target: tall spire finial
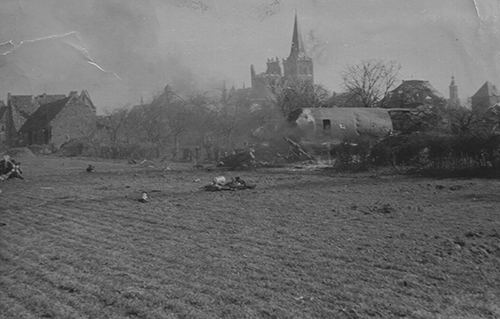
x: 297, y: 46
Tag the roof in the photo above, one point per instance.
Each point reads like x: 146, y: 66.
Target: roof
x: 24, y: 104
x: 487, y: 90
x: 49, y: 98
x: 413, y: 93
x: 44, y: 115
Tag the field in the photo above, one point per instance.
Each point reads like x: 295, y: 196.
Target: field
x: 303, y: 244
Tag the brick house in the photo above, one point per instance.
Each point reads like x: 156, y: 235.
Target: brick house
x: 485, y: 97
x: 59, y: 121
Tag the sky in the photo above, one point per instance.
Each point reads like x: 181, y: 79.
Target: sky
x: 125, y: 50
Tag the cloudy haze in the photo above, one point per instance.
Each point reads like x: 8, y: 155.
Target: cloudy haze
x: 123, y: 50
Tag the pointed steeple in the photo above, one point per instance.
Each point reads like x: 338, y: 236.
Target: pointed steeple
x: 297, y: 45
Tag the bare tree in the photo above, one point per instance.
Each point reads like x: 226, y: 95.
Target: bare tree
x: 114, y: 124
x: 292, y: 96
x: 370, y: 81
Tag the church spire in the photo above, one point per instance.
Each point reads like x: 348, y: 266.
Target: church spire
x: 453, y: 101
x: 297, y: 45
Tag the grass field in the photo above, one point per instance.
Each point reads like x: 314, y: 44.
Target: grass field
x: 302, y: 244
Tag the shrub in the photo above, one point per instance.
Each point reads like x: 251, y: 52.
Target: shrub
x: 352, y: 156
x: 438, y: 151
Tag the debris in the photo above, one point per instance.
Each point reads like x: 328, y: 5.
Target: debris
x: 196, y: 180
x: 298, y: 150
x: 385, y: 209
x: 144, y: 198
x: 459, y: 242
x: 219, y: 184
x: 90, y: 168
x: 219, y: 180
x: 471, y: 234
x: 455, y: 187
x: 239, y: 159
x: 9, y: 168
x: 439, y: 186
x: 132, y: 161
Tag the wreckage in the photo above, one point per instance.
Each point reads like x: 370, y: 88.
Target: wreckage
x: 10, y: 168
x: 240, y: 159
x: 220, y: 184
x: 333, y: 126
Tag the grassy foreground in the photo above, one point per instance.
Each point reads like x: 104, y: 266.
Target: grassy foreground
x: 301, y: 245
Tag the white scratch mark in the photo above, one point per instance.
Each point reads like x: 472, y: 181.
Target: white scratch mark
x: 80, y: 49
x: 477, y: 10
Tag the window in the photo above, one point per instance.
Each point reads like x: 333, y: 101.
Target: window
x: 327, y: 125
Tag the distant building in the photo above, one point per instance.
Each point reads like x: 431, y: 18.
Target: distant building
x: 19, y: 109
x: 59, y: 121
x: 297, y: 67
x: 414, y: 93
x: 453, y: 101
x: 3, y: 123
x: 485, y: 97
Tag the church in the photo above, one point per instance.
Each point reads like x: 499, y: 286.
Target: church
x: 297, y: 67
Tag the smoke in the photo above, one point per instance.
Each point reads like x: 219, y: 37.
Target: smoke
x: 197, y: 44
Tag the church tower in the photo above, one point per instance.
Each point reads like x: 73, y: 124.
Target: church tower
x: 298, y: 66
x: 454, y: 100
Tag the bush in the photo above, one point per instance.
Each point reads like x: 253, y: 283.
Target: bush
x: 352, y: 156
x: 438, y: 151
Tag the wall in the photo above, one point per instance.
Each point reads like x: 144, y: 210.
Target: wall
x: 76, y: 120
x: 482, y: 103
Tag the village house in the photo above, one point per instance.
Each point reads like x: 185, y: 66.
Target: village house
x: 17, y: 111
x: 411, y: 94
x: 485, y: 97
x: 59, y: 121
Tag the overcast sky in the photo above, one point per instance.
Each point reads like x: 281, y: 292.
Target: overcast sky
x: 141, y: 45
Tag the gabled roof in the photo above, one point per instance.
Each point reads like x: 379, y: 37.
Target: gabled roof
x: 85, y: 96
x: 44, y: 115
x: 48, y: 98
x: 487, y: 90
x: 24, y: 104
